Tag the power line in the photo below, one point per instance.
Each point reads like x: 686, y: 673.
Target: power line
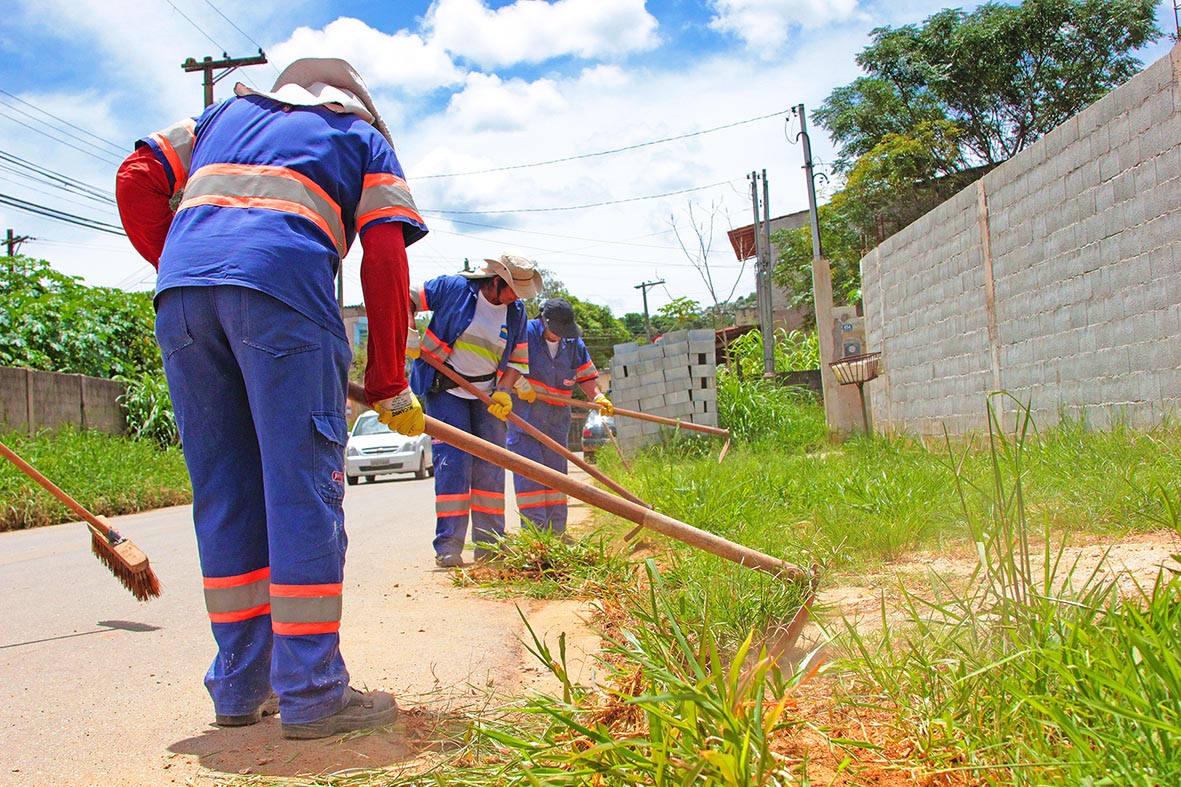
x: 569, y: 237
x: 578, y: 207
x: 118, y: 148
x: 65, y: 180
x: 63, y: 142
x: 57, y: 215
x: 601, y: 152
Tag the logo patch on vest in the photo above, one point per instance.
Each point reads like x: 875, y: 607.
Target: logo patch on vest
x: 338, y: 476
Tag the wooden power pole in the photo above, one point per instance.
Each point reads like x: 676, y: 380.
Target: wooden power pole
x: 208, y: 64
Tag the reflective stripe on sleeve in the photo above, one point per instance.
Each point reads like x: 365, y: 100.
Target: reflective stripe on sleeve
x: 586, y: 372
x: 385, y: 194
x: 176, y: 143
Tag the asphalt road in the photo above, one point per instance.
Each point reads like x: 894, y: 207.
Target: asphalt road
x: 99, y: 689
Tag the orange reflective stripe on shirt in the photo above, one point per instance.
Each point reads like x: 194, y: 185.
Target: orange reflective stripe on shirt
x: 305, y: 609
x: 176, y: 143
x: 385, y: 194
x: 240, y: 597
x: 268, y: 187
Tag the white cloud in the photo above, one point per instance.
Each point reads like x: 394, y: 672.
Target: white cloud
x: 403, y: 60
x: 489, y: 103
x: 532, y: 31
x: 765, y: 24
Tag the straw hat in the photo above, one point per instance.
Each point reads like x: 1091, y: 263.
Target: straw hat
x: 520, y: 273
x: 323, y: 81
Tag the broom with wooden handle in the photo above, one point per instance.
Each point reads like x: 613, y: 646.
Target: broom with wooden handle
x: 639, y: 514
x: 123, y: 558
x: 532, y: 430
x: 659, y: 419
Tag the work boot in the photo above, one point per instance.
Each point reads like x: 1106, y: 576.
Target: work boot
x: 269, y: 707
x: 449, y: 560
x: 363, y: 712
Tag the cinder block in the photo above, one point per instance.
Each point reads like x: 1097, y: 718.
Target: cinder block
x: 703, y: 370
x: 679, y: 335
x: 677, y: 374
x: 651, y: 404
x: 701, y: 334
x: 676, y: 397
x: 675, y: 349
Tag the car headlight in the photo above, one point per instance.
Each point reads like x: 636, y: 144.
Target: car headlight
x: 352, y: 451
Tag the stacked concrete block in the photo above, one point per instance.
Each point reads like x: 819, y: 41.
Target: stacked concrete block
x: 675, y: 378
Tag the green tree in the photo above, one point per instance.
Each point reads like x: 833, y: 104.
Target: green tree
x: 1003, y: 75
x: 683, y: 312
x: 52, y: 322
x: 843, y: 245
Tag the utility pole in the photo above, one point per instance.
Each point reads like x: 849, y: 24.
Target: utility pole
x: 763, y: 296
x: 228, y: 63
x: 466, y: 266
x: 644, y: 287
x: 842, y: 408
x: 13, y: 242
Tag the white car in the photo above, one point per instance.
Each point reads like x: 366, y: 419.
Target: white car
x: 374, y: 450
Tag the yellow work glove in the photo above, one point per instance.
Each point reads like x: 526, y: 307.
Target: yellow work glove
x: 502, y: 404
x: 402, y: 414
x: 526, y: 392
x: 607, y: 408
x: 413, y: 342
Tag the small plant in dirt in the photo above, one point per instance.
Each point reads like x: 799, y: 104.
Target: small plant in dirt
x: 672, y: 709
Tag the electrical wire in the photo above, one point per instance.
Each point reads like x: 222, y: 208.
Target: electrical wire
x: 240, y: 30
x: 57, y: 215
x: 601, y: 152
x: 577, y: 207
x: 118, y: 148
x: 102, y: 158
x: 84, y: 189
x: 202, y: 31
x: 598, y: 241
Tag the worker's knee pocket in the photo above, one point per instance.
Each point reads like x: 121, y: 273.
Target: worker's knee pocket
x: 328, y: 437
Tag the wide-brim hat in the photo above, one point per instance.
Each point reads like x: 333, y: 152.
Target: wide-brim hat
x: 318, y: 76
x: 520, y: 273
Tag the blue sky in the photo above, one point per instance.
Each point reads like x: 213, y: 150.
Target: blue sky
x: 465, y: 86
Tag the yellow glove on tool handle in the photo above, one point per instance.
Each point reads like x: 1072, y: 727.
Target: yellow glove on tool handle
x: 607, y: 408
x: 526, y: 392
x: 403, y: 414
x: 413, y: 341
x: 502, y: 404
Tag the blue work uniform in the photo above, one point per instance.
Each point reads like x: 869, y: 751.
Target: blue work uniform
x: 465, y: 486
x: 257, y: 359
x: 558, y: 374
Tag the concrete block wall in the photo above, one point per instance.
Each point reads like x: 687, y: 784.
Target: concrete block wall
x: 32, y: 400
x: 676, y: 378
x: 1057, y: 277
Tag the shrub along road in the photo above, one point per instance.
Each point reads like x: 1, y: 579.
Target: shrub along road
x: 102, y: 690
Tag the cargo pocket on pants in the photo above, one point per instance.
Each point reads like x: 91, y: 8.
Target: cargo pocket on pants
x: 329, y: 435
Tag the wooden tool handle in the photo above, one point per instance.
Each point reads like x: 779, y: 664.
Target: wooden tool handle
x: 660, y: 419
x: 533, y: 431
x: 641, y: 515
x: 53, y: 489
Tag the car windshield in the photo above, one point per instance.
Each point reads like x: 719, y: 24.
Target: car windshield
x: 367, y: 425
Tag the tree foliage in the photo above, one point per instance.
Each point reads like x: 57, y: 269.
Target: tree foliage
x: 682, y: 312
x: 843, y: 246
x: 1003, y: 75
x: 52, y: 322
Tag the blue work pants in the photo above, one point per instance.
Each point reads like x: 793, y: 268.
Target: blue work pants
x: 258, y: 390
x: 544, y: 506
x: 466, y: 485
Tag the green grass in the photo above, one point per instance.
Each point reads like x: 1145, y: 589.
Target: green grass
x: 106, y: 474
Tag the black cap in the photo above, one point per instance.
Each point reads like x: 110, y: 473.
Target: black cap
x: 557, y: 315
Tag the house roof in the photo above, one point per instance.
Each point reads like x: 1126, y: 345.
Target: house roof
x: 742, y: 239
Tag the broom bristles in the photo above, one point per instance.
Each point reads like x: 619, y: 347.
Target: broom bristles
x: 127, y: 562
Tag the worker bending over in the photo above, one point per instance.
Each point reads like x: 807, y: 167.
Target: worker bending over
x: 477, y: 328
x: 273, y: 188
